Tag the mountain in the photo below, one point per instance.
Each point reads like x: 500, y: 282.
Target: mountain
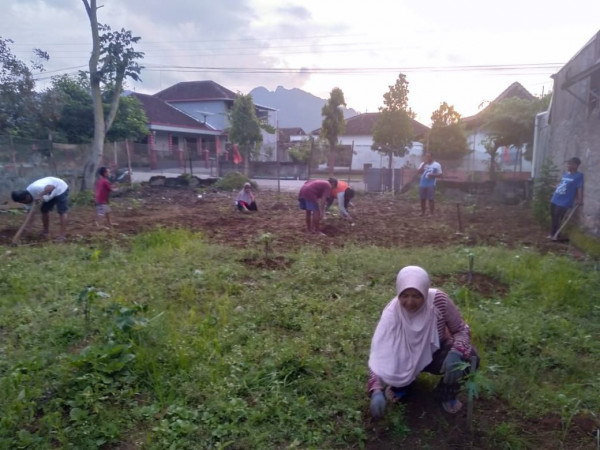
x: 295, y: 107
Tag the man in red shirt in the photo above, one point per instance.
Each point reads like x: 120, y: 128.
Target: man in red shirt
x: 101, y: 197
x: 312, y: 197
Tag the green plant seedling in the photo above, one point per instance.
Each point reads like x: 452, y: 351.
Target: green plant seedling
x: 266, y: 239
x: 87, y: 298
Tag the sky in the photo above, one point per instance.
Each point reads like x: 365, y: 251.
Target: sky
x: 464, y: 53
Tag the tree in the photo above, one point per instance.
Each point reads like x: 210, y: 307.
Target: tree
x: 112, y: 61
x: 510, y: 122
x: 66, y: 110
x: 396, y: 99
x: 393, y: 129
x: 446, y: 137
x: 18, y: 100
x: 131, y: 121
x: 333, y: 123
x: 245, y: 127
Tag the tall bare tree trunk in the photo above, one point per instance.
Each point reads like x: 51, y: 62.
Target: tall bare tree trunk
x: 99, y: 125
x: 331, y: 158
x: 247, y: 161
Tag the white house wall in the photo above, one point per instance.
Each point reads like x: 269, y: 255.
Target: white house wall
x: 215, y: 112
x: 479, y: 160
x: 363, y: 154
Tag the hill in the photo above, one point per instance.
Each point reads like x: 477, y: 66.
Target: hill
x: 296, y: 108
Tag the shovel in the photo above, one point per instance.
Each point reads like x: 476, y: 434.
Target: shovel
x: 15, y: 239
x: 555, y: 237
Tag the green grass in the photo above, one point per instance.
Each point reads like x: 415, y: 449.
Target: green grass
x: 195, y: 349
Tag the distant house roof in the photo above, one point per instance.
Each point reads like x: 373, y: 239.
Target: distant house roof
x: 162, y: 114
x: 285, y: 133
x: 191, y: 91
x: 515, y: 90
x: 201, y: 91
x: 362, y: 125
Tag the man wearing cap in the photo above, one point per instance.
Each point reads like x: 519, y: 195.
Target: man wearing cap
x: 49, y: 191
x: 569, y: 192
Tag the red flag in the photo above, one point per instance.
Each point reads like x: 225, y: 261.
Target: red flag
x: 237, y: 158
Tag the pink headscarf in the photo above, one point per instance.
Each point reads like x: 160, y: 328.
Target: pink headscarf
x: 404, y: 342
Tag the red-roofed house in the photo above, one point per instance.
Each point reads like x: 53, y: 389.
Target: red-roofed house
x: 189, y: 121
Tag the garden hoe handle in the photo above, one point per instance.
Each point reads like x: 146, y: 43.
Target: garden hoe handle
x: 15, y: 239
x: 565, y: 221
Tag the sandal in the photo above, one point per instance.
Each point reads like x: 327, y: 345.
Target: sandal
x: 452, y: 406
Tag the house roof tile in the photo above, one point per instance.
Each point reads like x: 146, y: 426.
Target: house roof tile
x: 362, y: 125
x: 194, y: 91
x: 515, y: 90
x: 160, y: 113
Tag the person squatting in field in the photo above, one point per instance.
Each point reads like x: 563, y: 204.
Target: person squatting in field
x: 50, y: 191
x: 246, y: 200
x: 420, y: 330
x: 102, y: 197
x: 429, y: 170
x: 568, y: 193
x: 312, y: 198
x: 343, y: 193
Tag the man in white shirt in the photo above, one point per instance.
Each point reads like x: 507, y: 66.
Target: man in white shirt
x: 49, y: 191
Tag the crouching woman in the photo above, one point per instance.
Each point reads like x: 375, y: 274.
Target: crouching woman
x: 420, y: 330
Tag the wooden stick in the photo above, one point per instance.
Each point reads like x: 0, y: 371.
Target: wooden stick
x: 25, y: 223
x: 565, y: 221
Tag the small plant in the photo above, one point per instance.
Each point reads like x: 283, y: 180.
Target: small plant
x: 471, y: 264
x: 82, y: 198
x: 266, y: 239
x: 543, y: 190
x: 86, y: 299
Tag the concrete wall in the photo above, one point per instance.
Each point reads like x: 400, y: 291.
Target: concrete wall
x: 574, y: 130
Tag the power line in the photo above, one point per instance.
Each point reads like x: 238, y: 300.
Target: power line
x: 359, y: 70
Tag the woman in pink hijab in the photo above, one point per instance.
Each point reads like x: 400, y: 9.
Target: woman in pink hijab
x: 420, y: 330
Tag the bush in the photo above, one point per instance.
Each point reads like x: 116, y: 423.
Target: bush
x: 234, y: 181
x: 543, y: 190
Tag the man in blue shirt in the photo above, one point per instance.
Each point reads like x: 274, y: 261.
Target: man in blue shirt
x: 568, y: 193
x: 429, y: 170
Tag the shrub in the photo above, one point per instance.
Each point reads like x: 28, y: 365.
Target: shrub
x: 234, y: 181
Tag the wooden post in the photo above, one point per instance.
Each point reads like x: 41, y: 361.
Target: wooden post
x: 129, y: 163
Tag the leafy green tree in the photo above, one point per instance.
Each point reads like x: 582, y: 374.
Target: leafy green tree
x: 333, y: 123
x: 66, y: 110
x: 112, y: 61
x: 245, y: 127
x: 393, y: 129
x: 18, y: 100
x: 301, y: 151
x: 510, y: 122
x: 131, y: 121
x: 446, y: 137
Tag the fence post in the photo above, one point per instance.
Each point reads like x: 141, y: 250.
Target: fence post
x: 129, y: 163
